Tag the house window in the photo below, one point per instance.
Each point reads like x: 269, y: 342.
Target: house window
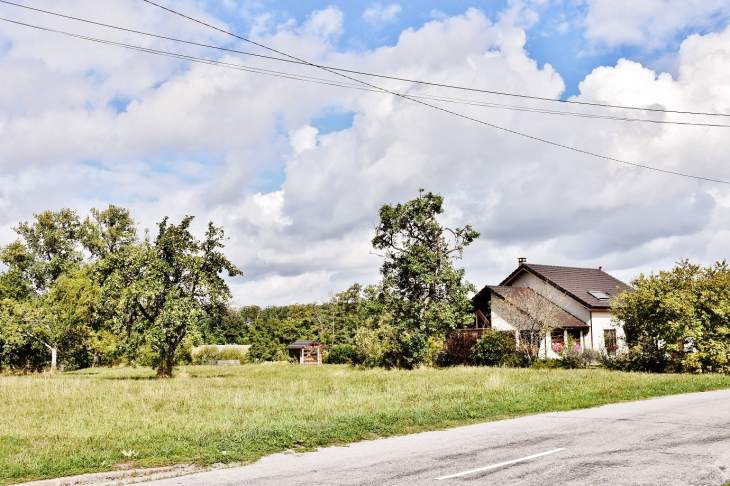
x: 609, y: 340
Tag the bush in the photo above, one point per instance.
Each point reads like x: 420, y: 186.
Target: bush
x: 339, y: 354
x: 648, y: 359
x: 495, y: 348
x: 577, y: 357
x: 206, y: 354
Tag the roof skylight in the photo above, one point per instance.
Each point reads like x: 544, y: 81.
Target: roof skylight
x: 599, y: 295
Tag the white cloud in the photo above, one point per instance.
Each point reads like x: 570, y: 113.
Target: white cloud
x: 649, y: 23
x: 379, y: 14
x: 303, y: 139
x: 238, y: 148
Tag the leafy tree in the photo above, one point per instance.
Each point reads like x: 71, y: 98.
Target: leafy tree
x: 677, y: 320
x: 108, y: 231
x: 339, y: 316
x: 50, y: 248
x: 227, y: 326
x: 422, y: 294
x: 47, y: 250
x: 160, y: 290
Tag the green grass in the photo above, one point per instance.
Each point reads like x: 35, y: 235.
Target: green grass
x: 81, y: 421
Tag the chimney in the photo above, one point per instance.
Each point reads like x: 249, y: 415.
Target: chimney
x: 522, y: 260
x: 600, y: 268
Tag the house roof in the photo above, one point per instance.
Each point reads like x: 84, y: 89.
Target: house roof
x: 575, y: 282
x: 563, y: 318
x: 300, y: 344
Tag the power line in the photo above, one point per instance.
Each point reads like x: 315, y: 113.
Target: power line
x: 395, y: 78
x: 532, y: 137
x: 367, y: 87
x: 354, y: 85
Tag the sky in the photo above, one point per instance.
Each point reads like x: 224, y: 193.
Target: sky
x: 296, y: 171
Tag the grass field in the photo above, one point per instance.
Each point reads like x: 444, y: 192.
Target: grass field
x: 83, y: 421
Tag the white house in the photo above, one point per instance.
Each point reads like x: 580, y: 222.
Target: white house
x: 581, y: 296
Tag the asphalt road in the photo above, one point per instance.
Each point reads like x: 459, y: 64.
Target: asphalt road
x: 676, y: 440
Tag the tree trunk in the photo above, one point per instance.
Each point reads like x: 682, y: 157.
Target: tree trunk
x: 54, y: 355
x: 166, y: 365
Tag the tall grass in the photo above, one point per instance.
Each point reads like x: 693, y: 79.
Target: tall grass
x: 82, y: 421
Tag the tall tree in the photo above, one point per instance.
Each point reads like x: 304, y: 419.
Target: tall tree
x: 47, y: 250
x: 422, y: 291
x: 108, y: 231
x: 161, y: 289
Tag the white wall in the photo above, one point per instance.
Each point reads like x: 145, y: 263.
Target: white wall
x: 600, y: 321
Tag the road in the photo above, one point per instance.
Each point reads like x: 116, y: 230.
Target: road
x: 676, y: 440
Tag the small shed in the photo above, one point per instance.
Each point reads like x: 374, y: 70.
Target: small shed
x: 307, y: 352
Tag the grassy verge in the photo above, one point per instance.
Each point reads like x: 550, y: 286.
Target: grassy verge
x: 82, y: 421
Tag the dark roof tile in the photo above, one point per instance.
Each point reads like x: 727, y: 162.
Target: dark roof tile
x: 576, y: 282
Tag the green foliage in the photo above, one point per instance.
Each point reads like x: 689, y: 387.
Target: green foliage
x: 160, y: 290
x: 50, y: 248
x: 332, y: 323
x: 273, y: 328
x: 495, y: 348
x: 206, y: 354
x: 109, y: 231
x: 226, y: 326
x: 678, y: 320
x: 339, y: 354
x: 49, y: 293
x: 421, y: 292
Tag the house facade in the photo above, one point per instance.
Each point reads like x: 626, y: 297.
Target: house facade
x: 577, y: 301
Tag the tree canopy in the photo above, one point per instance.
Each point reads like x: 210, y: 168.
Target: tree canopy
x: 161, y: 289
x: 422, y: 293
x: 677, y: 320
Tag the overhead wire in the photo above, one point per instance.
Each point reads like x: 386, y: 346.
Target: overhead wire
x: 354, y: 85
x: 466, y: 117
x: 360, y: 85
x: 395, y: 78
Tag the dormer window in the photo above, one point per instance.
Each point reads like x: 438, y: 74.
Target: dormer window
x: 599, y: 295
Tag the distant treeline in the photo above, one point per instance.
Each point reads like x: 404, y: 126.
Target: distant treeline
x: 269, y: 329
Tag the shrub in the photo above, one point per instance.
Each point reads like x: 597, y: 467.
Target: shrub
x: 339, y: 354
x: 577, y: 357
x: 206, y: 354
x: 459, y: 347
x: 495, y: 348
x: 640, y: 358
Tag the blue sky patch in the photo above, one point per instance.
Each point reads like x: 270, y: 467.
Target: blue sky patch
x: 331, y: 121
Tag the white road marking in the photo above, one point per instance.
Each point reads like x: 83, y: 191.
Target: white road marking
x: 472, y: 471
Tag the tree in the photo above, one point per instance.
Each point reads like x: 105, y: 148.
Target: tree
x: 108, y: 231
x: 61, y: 318
x: 421, y: 291
x: 47, y: 250
x: 533, y: 312
x: 160, y: 290
x: 677, y: 320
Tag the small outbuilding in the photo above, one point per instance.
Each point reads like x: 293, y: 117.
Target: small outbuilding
x: 307, y: 352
